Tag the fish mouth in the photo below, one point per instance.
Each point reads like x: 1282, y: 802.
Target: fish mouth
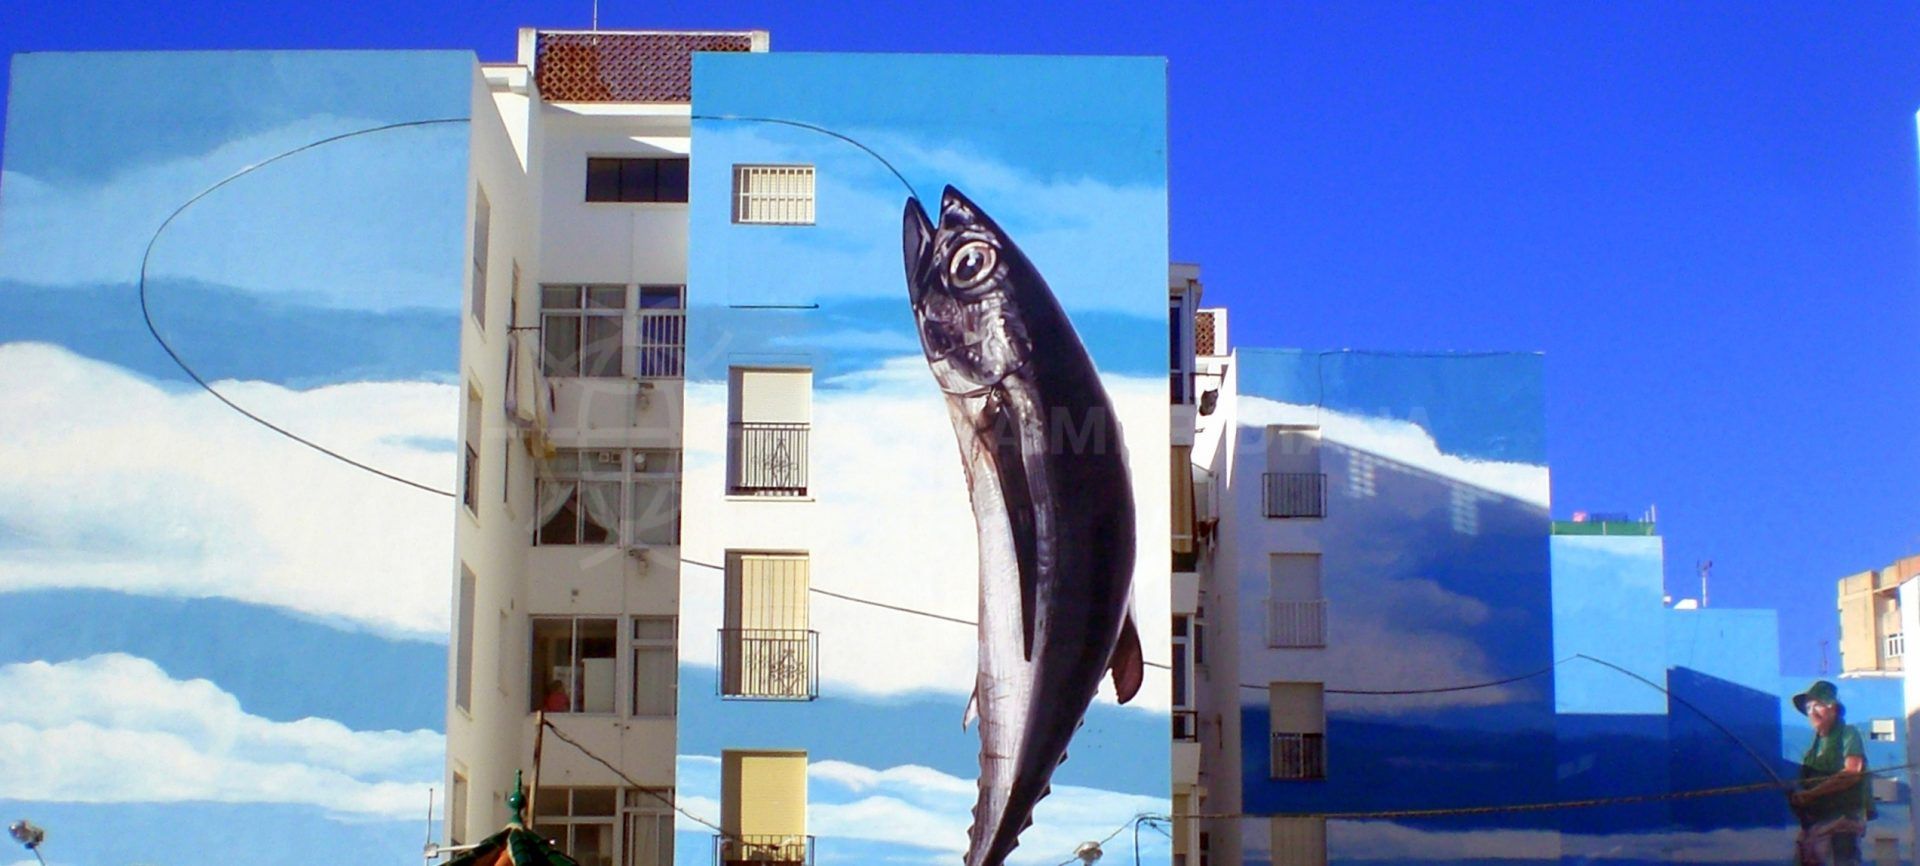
x: 917, y: 236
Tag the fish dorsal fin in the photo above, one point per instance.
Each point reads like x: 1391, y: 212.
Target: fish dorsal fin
x: 1127, y: 665
x: 973, y: 709
x: 1002, y: 428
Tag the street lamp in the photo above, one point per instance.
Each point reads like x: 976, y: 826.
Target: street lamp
x: 26, y: 833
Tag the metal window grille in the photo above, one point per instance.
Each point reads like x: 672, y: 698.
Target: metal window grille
x: 754, y: 850
x: 766, y: 650
x: 1295, y: 494
x: 773, y: 194
x: 1299, y: 756
x: 769, y: 459
x: 1297, y: 623
x: 1896, y: 645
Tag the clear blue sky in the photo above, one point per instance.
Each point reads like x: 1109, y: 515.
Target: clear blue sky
x: 1707, y: 216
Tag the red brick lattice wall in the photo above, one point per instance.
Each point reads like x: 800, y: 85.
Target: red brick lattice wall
x: 624, y: 67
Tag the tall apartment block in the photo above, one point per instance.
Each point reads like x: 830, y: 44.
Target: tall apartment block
x: 1872, y: 641
x: 714, y: 527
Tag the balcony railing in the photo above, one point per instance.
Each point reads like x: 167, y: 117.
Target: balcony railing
x: 751, y: 850
x: 1299, y: 756
x: 1295, y: 494
x: 660, y: 344
x: 1896, y: 645
x: 1297, y: 623
x: 769, y: 664
x: 767, y: 459
x: 1186, y: 726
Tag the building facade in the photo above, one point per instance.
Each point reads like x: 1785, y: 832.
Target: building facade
x: 1872, y: 641
x: 717, y: 559
x: 1417, y: 665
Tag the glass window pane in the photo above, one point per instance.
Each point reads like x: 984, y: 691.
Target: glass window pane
x: 654, y: 511
x: 654, y: 670
x: 607, y: 297
x: 603, y: 179
x: 560, y: 346
x: 597, y: 653
x: 672, y: 180
x: 600, y: 356
x: 592, y: 844
x: 653, y: 628
x: 560, y: 297
x: 593, y: 802
x: 599, y: 511
x: 659, y: 297
x: 563, y: 525
x: 552, y: 668
x: 637, y: 179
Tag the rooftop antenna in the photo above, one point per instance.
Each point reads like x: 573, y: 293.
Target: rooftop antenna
x: 429, y: 845
x: 1706, y: 570
x: 596, y: 16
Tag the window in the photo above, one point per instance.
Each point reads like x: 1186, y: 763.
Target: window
x: 648, y: 840
x: 482, y: 228
x: 1296, y: 610
x: 766, y: 649
x: 607, y: 331
x: 573, y: 665
x: 655, y: 665
x: 1297, y: 724
x: 614, y: 497
x: 637, y: 179
x: 769, y: 415
x: 763, y: 797
x: 579, y: 821
x: 463, y: 644
x: 773, y: 194
x: 470, y: 464
x: 457, y: 811
x: 1294, y: 485
x: 507, y: 393
x: 1298, y: 841
x: 1883, y: 730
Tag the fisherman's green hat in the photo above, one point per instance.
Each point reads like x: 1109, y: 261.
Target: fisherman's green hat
x: 1821, y: 690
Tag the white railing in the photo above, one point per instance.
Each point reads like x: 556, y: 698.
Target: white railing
x: 1896, y: 645
x: 660, y: 344
x: 1297, y: 623
x: 1299, y: 756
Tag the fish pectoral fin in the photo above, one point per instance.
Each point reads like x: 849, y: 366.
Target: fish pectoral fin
x: 1127, y: 665
x: 973, y: 709
x: 1002, y: 428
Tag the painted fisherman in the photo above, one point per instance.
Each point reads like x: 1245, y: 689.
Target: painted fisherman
x: 1833, y: 799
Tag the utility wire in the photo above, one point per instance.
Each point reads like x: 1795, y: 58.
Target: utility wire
x: 1764, y: 766
x: 147, y: 314
x: 823, y: 131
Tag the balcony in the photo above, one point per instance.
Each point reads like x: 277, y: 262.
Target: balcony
x: 1299, y: 756
x: 1186, y: 726
x: 660, y: 344
x: 766, y: 459
x: 769, y: 664
x: 754, y: 850
x: 1294, y: 494
x: 1296, y: 624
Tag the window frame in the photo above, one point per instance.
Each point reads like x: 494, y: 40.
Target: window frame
x: 670, y: 645
x: 627, y: 190
x: 653, y: 337
x: 630, y: 476
x: 791, y: 208
x: 576, y: 691
x: 482, y: 244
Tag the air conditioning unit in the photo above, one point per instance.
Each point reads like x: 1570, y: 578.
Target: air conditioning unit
x: 607, y: 457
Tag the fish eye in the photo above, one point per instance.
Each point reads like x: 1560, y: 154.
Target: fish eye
x: 971, y: 264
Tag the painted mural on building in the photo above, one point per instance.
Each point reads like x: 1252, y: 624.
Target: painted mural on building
x: 210, y: 634
x: 820, y: 448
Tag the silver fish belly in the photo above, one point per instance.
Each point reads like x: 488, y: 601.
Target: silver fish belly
x: 1052, y: 503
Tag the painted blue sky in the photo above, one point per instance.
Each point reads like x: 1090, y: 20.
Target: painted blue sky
x: 1706, y: 216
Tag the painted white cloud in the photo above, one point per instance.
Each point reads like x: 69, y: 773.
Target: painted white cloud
x: 117, y: 729
x: 1402, y: 441
x: 913, y: 807
x: 892, y: 523
x: 116, y: 483
x: 367, y: 194
x: 1085, y: 235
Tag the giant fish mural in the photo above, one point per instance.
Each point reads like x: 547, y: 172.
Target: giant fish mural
x: 1052, y: 502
